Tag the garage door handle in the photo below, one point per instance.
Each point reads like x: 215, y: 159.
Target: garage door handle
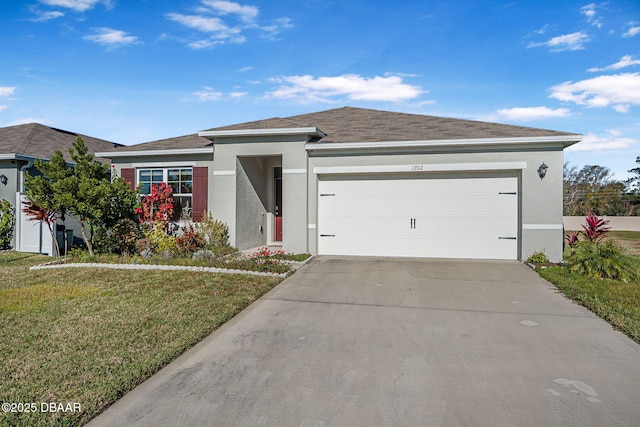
x: 507, y: 238
x: 508, y: 192
x: 327, y: 235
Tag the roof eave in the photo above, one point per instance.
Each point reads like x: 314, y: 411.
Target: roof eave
x: 16, y: 156
x: 565, y: 140
x: 154, y: 153
x: 308, y: 131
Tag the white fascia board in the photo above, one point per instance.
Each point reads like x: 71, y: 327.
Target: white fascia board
x: 147, y: 153
x: 16, y: 156
x: 565, y: 140
x: 263, y: 132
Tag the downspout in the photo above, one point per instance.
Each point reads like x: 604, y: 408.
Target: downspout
x: 23, y: 170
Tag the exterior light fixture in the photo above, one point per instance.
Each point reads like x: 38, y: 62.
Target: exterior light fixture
x: 4, y: 179
x: 542, y: 170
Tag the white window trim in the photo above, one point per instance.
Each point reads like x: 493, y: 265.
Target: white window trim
x: 165, y: 176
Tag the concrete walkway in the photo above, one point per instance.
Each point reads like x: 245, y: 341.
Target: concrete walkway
x: 386, y: 342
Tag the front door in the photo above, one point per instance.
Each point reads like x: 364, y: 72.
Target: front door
x: 277, y: 208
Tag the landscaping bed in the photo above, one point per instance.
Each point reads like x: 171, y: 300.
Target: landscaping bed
x: 88, y: 336
x: 263, y: 260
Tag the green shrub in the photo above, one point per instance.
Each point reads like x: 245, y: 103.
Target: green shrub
x: 538, y: 257
x: 121, y: 239
x: 189, y: 241
x: 161, y: 242
x: 214, y: 232
x: 596, y: 259
x: 7, y: 224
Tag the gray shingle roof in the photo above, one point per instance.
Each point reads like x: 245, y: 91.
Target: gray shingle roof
x: 348, y: 124
x: 36, y: 140
x: 185, y: 142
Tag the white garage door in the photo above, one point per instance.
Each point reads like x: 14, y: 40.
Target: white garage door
x: 437, y: 217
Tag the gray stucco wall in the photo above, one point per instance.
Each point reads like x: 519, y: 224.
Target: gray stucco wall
x: 241, y: 186
x: 251, y: 202
x: 230, y: 189
x: 540, y: 199
x: 12, y: 172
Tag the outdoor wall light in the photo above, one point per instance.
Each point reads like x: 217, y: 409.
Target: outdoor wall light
x: 4, y: 179
x: 542, y: 170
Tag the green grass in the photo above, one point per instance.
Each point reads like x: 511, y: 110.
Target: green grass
x: 615, y: 301
x: 91, y: 335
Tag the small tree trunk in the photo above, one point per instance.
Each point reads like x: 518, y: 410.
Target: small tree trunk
x: 56, y: 248
x: 87, y: 241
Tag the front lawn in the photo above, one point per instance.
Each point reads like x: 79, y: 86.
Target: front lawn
x: 88, y: 336
x: 615, y: 301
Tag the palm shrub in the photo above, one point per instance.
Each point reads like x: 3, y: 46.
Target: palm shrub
x: 595, y: 228
x: 597, y: 259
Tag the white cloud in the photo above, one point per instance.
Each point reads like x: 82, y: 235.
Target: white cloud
x: 613, y: 140
x: 238, y: 94
x: 524, y: 114
x: 352, y: 86
x: 215, y: 17
x: 279, y: 25
x: 590, y: 12
x: 200, y: 23
x: 2, y: 107
x: 625, y: 61
x: 26, y: 121
x: 77, y: 5
x: 111, y: 38
x: 573, y: 41
x: 245, y: 13
x: 634, y: 30
x: 245, y: 69
x: 45, y: 16
x: 620, y: 91
x: 7, y: 90
x: 207, y: 94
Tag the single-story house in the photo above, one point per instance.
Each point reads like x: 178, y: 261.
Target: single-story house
x: 20, y: 146
x: 353, y: 181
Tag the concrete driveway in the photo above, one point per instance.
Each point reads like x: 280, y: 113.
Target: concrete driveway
x: 407, y: 342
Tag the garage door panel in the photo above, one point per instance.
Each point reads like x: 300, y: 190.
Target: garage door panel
x: 429, y: 217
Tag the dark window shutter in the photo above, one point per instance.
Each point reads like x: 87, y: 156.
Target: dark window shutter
x: 129, y: 175
x: 200, y: 192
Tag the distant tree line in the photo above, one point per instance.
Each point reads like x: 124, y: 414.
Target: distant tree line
x: 592, y: 190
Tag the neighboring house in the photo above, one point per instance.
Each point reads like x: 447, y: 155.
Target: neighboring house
x: 20, y: 146
x: 352, y: 181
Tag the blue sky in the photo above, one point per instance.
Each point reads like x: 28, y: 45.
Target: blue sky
x: 136, y: 71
